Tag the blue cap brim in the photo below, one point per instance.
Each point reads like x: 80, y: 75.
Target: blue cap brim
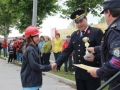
x: 102, y: 12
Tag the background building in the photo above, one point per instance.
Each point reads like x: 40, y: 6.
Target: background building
x: 66, y: 32
x: 69, y: 31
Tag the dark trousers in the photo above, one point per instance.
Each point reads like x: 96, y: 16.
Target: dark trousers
x: 10, y: 57
x: 74, y: 60
x: 68, y: 64
x: 15, y: 56
x: 92, y: 84
x: 56, y: 55
x: 41, y: 58
x: 46, y: 58
x: 0, y: 52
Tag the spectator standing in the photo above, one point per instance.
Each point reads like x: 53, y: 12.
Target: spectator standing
x: 9, y: 43
x: 42, y: 41
x: 57, y: 47
x: 17, y: 44
x: 20, y: 51
x: 0, y: 47
x: 68, y: 62
x: 4, y: 45
x: 11, y: 53
x: 46, y: 51
x: 14, y: 44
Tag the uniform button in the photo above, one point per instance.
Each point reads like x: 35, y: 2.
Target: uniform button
x: 79, y: 60
x: 73, y: 42
x: 79, y: 50
x: 78, y: 55
x: 79, y: 45
x: 97, y: 62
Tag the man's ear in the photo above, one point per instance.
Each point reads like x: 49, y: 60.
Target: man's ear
x: 108, y: 13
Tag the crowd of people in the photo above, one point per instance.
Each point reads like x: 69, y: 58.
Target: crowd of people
x: 57, y: 46
x: 13, y: 50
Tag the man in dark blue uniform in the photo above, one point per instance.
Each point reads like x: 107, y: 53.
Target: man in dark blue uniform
x: 110, y: 48
x: 84, y: 81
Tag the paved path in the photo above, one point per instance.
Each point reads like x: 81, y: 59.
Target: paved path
x: 10, y: 79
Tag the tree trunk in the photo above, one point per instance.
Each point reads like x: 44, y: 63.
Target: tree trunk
x: 6, y: 31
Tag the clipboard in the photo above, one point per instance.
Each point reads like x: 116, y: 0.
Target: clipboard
x: 85, y: 67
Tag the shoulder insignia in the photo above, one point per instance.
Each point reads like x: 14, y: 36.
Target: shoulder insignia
x: 116, y: 52
x: 114, y: 25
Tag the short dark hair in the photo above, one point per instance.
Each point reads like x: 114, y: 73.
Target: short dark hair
x: 57, y: 34
x: 115, y: 12
x: 85, y: 17
x: 42, y: 37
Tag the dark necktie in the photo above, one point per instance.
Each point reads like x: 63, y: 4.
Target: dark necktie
x: 83, y: 32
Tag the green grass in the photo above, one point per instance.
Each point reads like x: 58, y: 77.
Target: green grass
x: 68, y: 75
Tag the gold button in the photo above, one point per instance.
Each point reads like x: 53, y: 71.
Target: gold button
x: 79, y: 45
x: 78, y: 55
x: 79, y: 60
x: 78, y: 50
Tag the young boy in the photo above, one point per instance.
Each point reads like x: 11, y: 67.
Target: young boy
x: 11, y: 53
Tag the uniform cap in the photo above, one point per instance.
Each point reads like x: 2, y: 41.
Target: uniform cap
x: 78, y: 15
x: 68, y: 36
x: 110, y: 4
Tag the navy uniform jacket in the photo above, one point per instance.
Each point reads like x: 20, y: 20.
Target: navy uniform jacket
x: 76, y: 44
x: 110, y: 52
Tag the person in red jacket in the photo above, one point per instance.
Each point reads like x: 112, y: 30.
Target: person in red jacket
x: 68, y: 62
x: 4, y: 45
x: 16, y: 45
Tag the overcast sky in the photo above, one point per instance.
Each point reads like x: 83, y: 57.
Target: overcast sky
x: 55, y: 22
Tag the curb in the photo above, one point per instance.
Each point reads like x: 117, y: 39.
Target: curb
x: 59, y: 78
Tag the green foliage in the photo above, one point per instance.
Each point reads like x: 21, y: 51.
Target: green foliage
x: 18, y: 13
x: 72, y: 25
x: 8, y: 16
x: 3, y: 29
x: 45, y: 8
x: 91, y: 6
x: 102, y: 20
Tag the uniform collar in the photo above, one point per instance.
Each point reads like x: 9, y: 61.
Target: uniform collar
x: 86, y: 29
x: 113, y: 23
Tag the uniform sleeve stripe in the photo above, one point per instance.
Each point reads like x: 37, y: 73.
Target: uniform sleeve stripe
x: 114, y: 66
x: 116, y: 57
x: 115, y: 62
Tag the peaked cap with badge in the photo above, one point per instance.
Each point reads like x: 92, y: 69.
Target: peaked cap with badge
x: 78, y: 15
